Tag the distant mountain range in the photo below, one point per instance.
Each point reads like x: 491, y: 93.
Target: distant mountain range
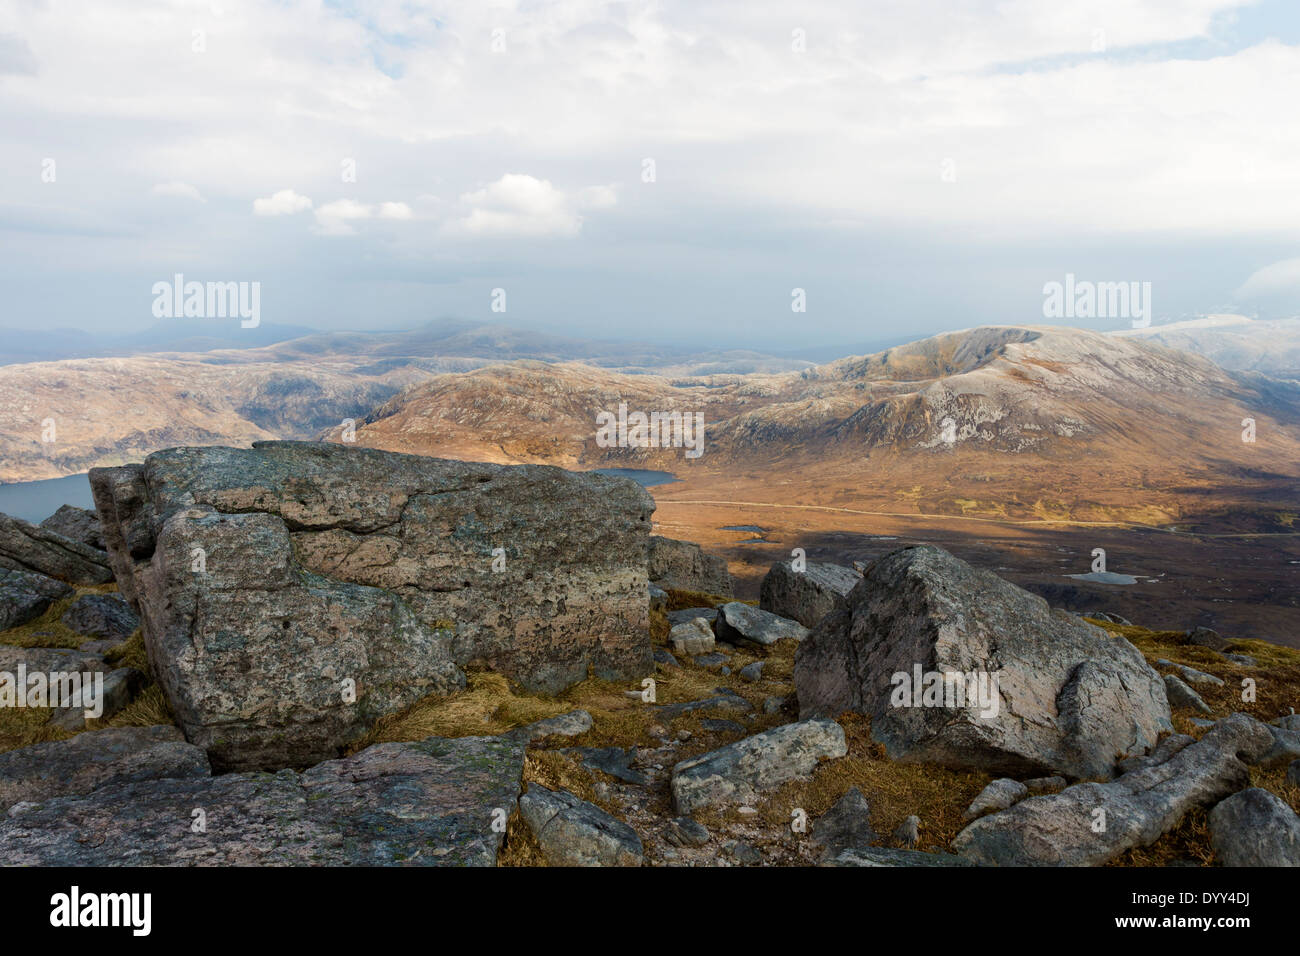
x: 1235, y: 342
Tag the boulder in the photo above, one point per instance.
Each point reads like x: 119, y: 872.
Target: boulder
x: 28, y: 547
x: 119, y: 689
x: 48, y: 660
x: 97, y: 758
x: 845, y: 825
x: 1285, y: 748
x: 692, y: 637
x: 960, y: 668
x: 79, y: 524
x: 293, y: 593
x: 25, y: 596
x: 104, y: 616
x: 1205, y: 637
x: 573, y: 832
x: 1180, y: 695
x: 809, y: 595
x: 739, y: 772
x: 998, y: 795
x: 1255, y: 828
x: 1090, y: 824
x: 432, y: 803
x: 685, y: 566
x: 745, y: 624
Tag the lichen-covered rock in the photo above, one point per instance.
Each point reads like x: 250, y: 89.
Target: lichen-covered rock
x: 1089, y: 824
x: 104, y: 616
x: 79, y: 524
x: 845, y: 825
x: 745, y: 624
x: 293, y: 593
x: 28, y: 547
x: 97, y: 758
x: 1255, y: 828
x: 809, y: 595
x: 685, y: 566
x: 432, y: 803
x: 25, y: 596
x: 573, y: 832
x: 692, y: 637
x: 739, y: 772
x: 1041, y: 691
x: 1180, y: 695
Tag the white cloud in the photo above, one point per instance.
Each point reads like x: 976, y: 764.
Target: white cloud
x: 284, y: 203
x: 336, y: 218
x: 178, y: 190
x: 394, y: 210
x: 522, y: 206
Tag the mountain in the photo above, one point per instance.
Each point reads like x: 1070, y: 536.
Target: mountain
x: 37, y: 345
x: 1235, y: 342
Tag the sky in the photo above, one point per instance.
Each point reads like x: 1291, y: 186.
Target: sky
x: 666, y: 170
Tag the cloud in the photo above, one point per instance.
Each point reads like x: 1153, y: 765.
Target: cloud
x: 284, y: 203
x: 178, y: 190
x: 336, y: 218
x: 394, y: 210
x: 522, y: 206
x: 1278, y: 278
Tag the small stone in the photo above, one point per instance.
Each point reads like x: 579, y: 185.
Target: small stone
x: 710, y: 662
x: 1293, y: 773
x: 744, y: 854
x: 1180, y: 695
x: 722, y: 726
x: 1193, y: 676
x: 998, y: 795
x: 573, y: 832
x: 664, y: 656
x: 1045, y: 784
x: 1244, y: 660
x: 692, y: 637
x: 773, y: 705
x: 683, y: 831
x: 845, y: 825
x: 1205, y: 637
x: 908, y: 832
x: 752, y: 672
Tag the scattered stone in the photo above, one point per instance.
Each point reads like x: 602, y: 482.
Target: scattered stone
x: 572, y: 832
x: 740, y: 771
x: 908, y: 833
x: 97, y: 758
x: 1193, y: 676
x: 998, y: 795
x: 1180, y: 695
x: 1255, y: 828
x: 26, y: 595
x: 743, y: 853
x: 664, y: 656
x: 79, y: 524
x: 1070, y: 698
x: 1286, y: 747
x: 28, y: 547
x: 429, y: 803
x: 1244, y: 660
x: 845, y: 825
x: 752, y: 672
x: 683, y: 831
x: 809, y: 595
x: 685, y: 566
x: 389, y: 556
x: 1205, y: 637
x: 744, y: 624
x: 712, y: 662
x: 1045, y: 784
x: 887, y: 856
x: 48, y: 660
x: 727, y: 701
x: 692, y: 637
x: 615, y: 761
x: 572, y: 724
x: 120, y: 688
x: 1139, y: 807
x: 773, y: 705
x: 716, y: 726
x: 709, y: 614
x: 104, y: 616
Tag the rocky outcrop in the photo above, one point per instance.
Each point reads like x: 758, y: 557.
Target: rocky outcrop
x: 293, y: 593
x: 432, y: 803
x: 95, y: 759
x: 573, y: 832
x: 685, y: 566
x: 1090, y: 824
x: 960, y: 668
x: 741, y: 771
x: 809, y: 595
x: 79, y: 524
x: 28, y: 547
x: 1255, y: 828
x: 739, y: 623
x: 103, y: 616
x: 25, y: 596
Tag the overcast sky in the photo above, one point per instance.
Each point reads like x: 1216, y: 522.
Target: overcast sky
x: 913, y: 166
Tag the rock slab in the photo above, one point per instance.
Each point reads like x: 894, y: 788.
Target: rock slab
x: 809, y: 595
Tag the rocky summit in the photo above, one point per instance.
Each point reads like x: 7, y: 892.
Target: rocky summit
x: 293, y: 593
x: 958, y: 667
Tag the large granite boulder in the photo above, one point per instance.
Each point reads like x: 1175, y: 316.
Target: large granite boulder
x: 809, y: 595
x: 25, y: 596
x: 28, y: 547
x: 685, y: 566
x: 1255, y: 828
x: 97, y: 758
x: 79, y: 524
x: 293, y: 593
x: 1090, y: 824
x: 432, y: 803
x: 960, y: 668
